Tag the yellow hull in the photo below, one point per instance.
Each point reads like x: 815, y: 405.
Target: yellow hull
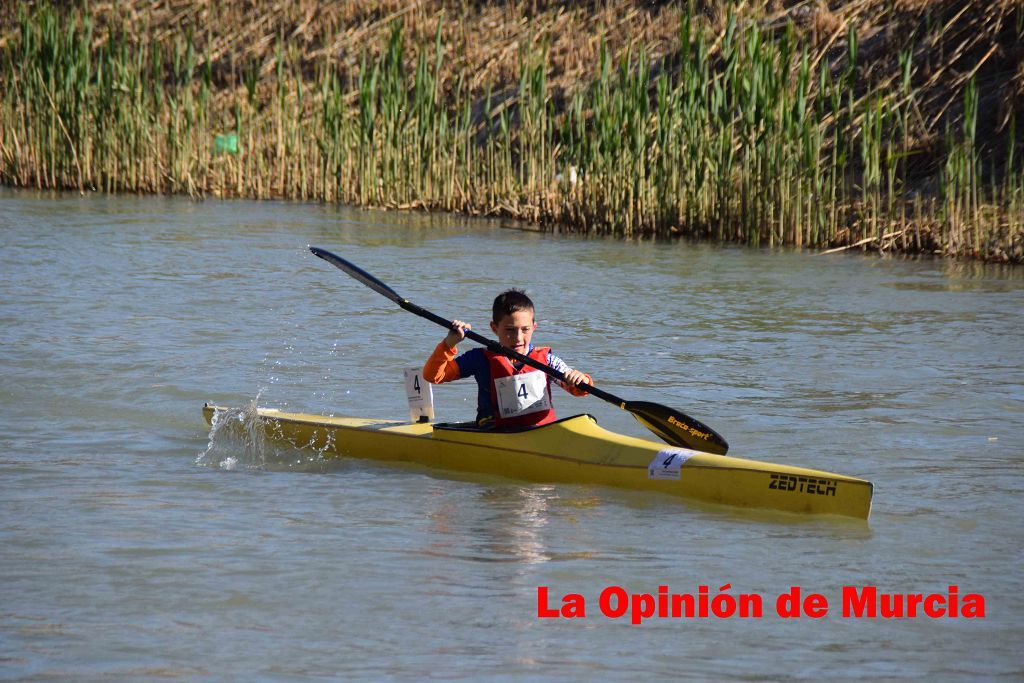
x: 577, y: 450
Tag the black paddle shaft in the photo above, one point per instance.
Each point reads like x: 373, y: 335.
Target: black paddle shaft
x: 489, y: 343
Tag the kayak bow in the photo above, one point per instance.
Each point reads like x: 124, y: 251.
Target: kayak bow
x: 574, y: 450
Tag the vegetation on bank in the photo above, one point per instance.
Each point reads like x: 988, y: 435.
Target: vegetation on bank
x: 884, y: 124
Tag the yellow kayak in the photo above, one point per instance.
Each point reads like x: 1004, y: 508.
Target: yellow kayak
x: 575, y: 450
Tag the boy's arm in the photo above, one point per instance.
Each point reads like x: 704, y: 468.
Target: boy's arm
x: 441, y: 366
x: 575, y: 380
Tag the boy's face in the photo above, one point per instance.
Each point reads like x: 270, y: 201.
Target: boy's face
x: 515, y: 331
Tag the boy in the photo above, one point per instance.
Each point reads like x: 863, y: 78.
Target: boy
x: 510, y: 394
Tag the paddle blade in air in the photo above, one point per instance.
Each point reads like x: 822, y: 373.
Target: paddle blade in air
x: 677, y: 428
x: 358, y: 273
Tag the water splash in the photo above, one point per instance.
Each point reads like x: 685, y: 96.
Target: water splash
x: 240, y: 439
x: 236, y: 437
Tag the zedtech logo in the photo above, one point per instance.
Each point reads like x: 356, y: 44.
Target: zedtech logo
x: 800, y: 484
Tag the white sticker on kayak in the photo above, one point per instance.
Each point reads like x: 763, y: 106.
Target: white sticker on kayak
x: 666, y: 463
x: 420, y: 395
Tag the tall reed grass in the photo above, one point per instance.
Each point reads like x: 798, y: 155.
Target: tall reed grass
x: 740, y: 135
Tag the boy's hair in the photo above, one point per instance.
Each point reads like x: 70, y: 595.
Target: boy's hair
x: 510, y: 301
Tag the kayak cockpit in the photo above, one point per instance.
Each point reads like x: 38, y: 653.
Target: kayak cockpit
x: 489, y: 429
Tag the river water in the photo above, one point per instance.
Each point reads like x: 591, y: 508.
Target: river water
x: 132, y: 546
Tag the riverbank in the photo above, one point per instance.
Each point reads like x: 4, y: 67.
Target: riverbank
x: 868, y: 124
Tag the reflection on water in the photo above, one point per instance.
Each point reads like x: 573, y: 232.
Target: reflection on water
x: 508, y: 528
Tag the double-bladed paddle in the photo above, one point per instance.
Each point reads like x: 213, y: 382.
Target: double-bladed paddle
x: 676, y: 428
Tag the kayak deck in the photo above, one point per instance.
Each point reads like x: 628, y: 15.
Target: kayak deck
x: 579, y: 451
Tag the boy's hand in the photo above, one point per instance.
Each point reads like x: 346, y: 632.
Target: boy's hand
x: 457, y: 333
x: 576, y: 378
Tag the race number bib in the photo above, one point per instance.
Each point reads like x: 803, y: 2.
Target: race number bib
x: 522, y: 394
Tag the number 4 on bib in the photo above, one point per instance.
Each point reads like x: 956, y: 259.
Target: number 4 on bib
x: 522, y: 394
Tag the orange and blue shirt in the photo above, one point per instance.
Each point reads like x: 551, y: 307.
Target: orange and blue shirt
x: 443, y: 366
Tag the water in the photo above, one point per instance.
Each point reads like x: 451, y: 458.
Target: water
x: 133, y: 547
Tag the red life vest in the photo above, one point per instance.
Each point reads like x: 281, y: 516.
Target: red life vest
x: 501, y: 367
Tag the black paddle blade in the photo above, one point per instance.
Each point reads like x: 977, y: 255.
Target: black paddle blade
x: 677, y: 428
x: 358, y: 273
